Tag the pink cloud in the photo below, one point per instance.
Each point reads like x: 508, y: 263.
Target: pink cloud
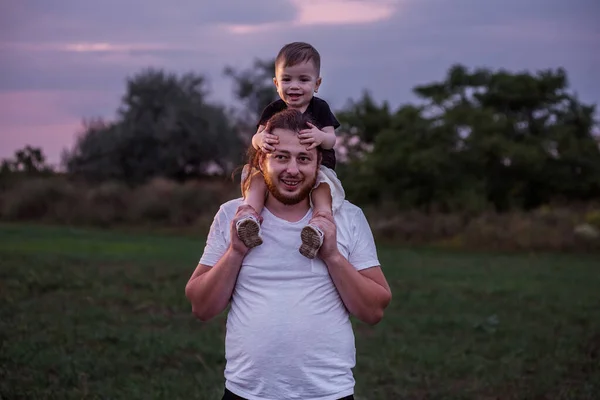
x: 327, y: 12
x: 52, y: 138
x: 46, y: 119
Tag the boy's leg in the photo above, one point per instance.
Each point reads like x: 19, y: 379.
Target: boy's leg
x: 321, y: 198
x: 255, y: 195
x: 248, y: 227
x: 312, y: 236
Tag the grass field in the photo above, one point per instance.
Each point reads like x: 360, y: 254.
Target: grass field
x: 92, y: 314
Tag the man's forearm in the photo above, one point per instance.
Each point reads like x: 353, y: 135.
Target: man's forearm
x: 363, y: 297
x: 210, y: 292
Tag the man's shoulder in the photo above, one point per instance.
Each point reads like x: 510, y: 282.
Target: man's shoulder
x: 349, y: 210
x: 230, y: 207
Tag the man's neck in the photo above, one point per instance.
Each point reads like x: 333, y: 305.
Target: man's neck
x: 290, y: 213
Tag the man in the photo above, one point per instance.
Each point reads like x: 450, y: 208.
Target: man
x: 289, y: 334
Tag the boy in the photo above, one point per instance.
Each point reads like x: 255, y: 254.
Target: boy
x: 297, y: 78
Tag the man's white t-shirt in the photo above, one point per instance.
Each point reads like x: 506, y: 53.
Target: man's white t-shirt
x: 289, y: 334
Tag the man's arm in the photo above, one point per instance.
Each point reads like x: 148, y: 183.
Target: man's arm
x: 209, y: 289
x: 365, y: 293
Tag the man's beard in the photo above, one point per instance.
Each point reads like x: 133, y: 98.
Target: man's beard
x: 294, y: 199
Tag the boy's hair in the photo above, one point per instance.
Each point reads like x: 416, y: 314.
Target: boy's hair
x: 296, y: 52
x: 288, y: 119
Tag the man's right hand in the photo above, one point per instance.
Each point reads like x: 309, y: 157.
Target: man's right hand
x: 236, y: 244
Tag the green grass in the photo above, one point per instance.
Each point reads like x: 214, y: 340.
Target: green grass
x: 100, y: 314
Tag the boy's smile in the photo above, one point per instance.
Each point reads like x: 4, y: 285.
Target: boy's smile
x: 297, y: 84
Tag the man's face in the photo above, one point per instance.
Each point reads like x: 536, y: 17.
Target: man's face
x: 297, y: 84
x: 290, y: 171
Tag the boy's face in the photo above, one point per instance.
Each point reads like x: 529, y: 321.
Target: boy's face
x: 297, y: 84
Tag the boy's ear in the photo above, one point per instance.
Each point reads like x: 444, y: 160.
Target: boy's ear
x: 318, y: 84
x: 275, y: 81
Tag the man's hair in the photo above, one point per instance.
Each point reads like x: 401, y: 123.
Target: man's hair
x: 288, y: 119
x: 297, y: 52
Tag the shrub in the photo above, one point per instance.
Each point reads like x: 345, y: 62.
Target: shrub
x: 41, y: 199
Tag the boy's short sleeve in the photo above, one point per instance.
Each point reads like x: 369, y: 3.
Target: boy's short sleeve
x: 218, y: 239
x: 269, y: 111
x: 324, y: 115
x: 364, y: 252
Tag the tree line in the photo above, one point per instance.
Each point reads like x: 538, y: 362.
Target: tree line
x: 477, y: 139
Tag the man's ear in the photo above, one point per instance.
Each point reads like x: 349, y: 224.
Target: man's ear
x: 260, y: 161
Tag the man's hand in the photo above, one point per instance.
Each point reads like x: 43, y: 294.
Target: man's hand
x: 326, y: 223
x: 236, y: 244
x: 313, y: 136
x: 266, y: 141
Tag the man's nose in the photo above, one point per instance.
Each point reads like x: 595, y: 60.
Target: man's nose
x: 292, y: 167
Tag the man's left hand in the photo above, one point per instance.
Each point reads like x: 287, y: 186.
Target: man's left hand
x: 326, y: 223
x: 313, y: 136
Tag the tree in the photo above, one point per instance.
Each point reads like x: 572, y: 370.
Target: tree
x: 254, y: 89
x: 164, y: 127
x: 28, y: 160
x: 511, y: 140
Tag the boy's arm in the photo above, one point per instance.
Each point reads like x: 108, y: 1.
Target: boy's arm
x: 329, y: 137
x: 263, y: 140
x: 258, y: 137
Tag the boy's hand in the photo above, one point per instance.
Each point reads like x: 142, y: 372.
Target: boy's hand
x: 266, y: 141
x: 313, y: 136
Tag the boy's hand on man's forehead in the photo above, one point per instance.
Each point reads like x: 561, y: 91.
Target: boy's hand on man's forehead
x: 312, y: 136
x: 267, y: 142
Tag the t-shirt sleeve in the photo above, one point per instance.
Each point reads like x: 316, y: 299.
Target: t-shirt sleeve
x: 325, y: 115
x: 267, y: 113
x: 364, y: 252
x: 217, y: 240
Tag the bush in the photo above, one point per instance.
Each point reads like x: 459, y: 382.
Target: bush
x: 41, y: 199
x: 166, y: 204
x: 159, y: 203
x: 104, y: 204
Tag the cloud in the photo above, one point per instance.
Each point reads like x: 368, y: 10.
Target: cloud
x: 138, y: 20
x: 326, y: 12
x: 387, y: 46
x: 47, y: 119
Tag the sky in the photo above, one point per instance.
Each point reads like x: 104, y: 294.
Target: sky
x: 63, y: 61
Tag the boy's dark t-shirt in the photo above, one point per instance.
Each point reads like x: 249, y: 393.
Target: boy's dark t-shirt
x: 320, y: 113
